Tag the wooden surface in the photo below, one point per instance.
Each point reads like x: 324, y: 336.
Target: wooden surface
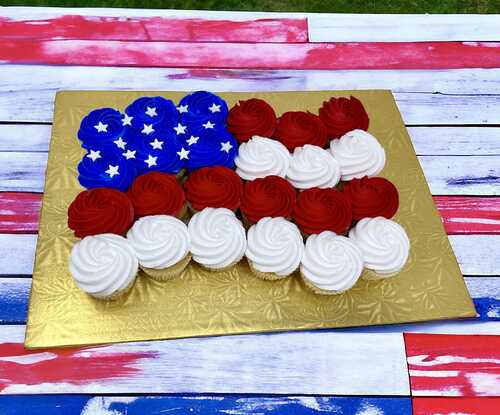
x: 445, y: 75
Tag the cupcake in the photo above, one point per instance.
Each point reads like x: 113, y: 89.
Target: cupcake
x: 100, y: 210
x: 271, y: 196
x: 218, y: 240
x: 274, y: 248
x: 359, y: 154
x: 331, y: 263
x: 341, y: 115
x: 202, y: 110
x: 217, y: 187
x: 319, y: 210
x: 104, y: 266
x: 101, y: 128
x: 157, y: 114
x: 298, y: 128
x: 372, y: 197
x: 262, y: 157
x: 157, y: 193
x: 253, y: 117
x: 384, y: 244
x: 312, y: 166
x: 162, y: 245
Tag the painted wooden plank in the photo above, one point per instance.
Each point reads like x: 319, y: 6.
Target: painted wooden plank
x: 22, y: 171
x: 19, y: 212
x: 14, y: 297
x: 455, y: 406
x: 445, y: 365
x: 485, y: 292
x: 369, y: 55
x: 410, y: 28
x: 17, y: 254
x: 155, y: 29
x: 24, y: 137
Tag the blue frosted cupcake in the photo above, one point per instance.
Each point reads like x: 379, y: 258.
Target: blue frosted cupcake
x: 210, y: 148
x: 101, y: 127
x: 202, y: 111
x: 148, y: 115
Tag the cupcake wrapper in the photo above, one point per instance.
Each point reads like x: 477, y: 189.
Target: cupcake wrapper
x: 168, y: 273
x: 227, y: 268
x: 370, y: 275
x: 269, y: 276
x: 181, y: 177
x: 183, y: 214
x: 317, y: 290
x: 117, y: 294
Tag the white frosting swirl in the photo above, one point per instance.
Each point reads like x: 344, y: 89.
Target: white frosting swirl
x: 331, y: 262
x: 160, y: 241
x: 383, y: 242
x: 312, y: 166
x: 103, y: 264
x: 359, y: 154
x: 275, y: 245
x: 217, y: 237
x: 261, y: 157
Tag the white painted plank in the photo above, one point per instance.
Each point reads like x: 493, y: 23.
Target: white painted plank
x: 480, y: 287
x: 17, y: 254
x: 24, y: 137
x: 23, y: 172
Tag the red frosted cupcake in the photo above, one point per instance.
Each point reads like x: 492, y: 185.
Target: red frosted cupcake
x: 271, y: 196
x: 251, y: 117
x: 100, y: 210
x: 157, y: 193
x: 319, y: 210
x: 217, y: 187
x: 341, y: 115
x: 297, y: 128
x: 372, y: 197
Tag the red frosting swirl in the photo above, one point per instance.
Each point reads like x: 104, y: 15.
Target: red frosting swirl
x: 156, y: 193
x: 321, y: 210
x: 371, y: 197
x: 251, y: 117
x: 218, y: 187
x: 341, y: 115
x: 268, y: 196
x: 297, y: 128
x: 100, y: 210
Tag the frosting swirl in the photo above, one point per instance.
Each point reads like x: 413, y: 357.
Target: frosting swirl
x: 211, y: 148
x: 100, y: 210
x: 312, y: 166
x: 331, y: 262
x: 201, y: 106
x: 154, y: 111
x: 383, y: 242
x: 359, y: 154
x: 275, y: 245
x: 160, y: 241
x: 214, y: 187
x: 101, y: 127
x: 297, y: 128
x: 261, y: 157
x: 319, y: 210
x: 217, y: 238
x: 371, y: 197
x: 269, y: 196
x: 156, y: 193
x: 103, y: 265
x: 250, y: 118
x: 341, y: 115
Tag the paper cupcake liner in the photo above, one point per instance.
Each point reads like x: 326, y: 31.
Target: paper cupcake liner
x: 117, y: 294
x: 317, y: 290
x: 269, y: 276
x: 181, y: 176
x: 371, y: 275
x: 183, y: 214
x: 165, y: 274
x: 226, y: 268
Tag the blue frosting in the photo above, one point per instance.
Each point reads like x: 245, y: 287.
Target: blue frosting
x: 100, y: 128
x: 155, y: 111
x: 201, y: 107
x: 106, y: 167
x: 212, y: 148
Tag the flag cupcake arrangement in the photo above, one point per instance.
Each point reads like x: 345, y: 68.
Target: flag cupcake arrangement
x: 167, y: 184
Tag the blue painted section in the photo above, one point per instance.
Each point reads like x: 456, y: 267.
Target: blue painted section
x: 467, y: 181
x: 206, y: 405
x: 14, y: 297
x: 488, y: 308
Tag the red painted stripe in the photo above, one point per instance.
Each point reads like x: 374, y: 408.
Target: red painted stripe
x: 453, y: 365
x: 455, y: 406
x: 409, y: 55
x: 19, y: 212
x: 156, y: 29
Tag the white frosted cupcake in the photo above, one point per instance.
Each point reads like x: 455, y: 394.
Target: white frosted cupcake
x: 359, y: 154
x: 217, y: 237
x: 261, y: 157
x: 312, y: 166
x: 274, y: 248
x: 162, y: 245
x: 331, y: 263
x: 104, y: 266
x: 384, y: 244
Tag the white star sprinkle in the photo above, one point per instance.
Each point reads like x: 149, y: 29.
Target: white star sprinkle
x: 192, y: 140
x: 156, y: 144
x: 129, y: 154
x: 127, y: 120
x: 180, y: 129
x: 151, y: 161
x: 94, y: 155
x: 182, y: 108
x: 226, y: 146
x: 214, y: 108
x: 208, y: 125
x: 148, y: 129
x: 112, y: 171
x: 101, y: 128
x: 183, y: 154
x: 120, y: 143
x: 151, y: 111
